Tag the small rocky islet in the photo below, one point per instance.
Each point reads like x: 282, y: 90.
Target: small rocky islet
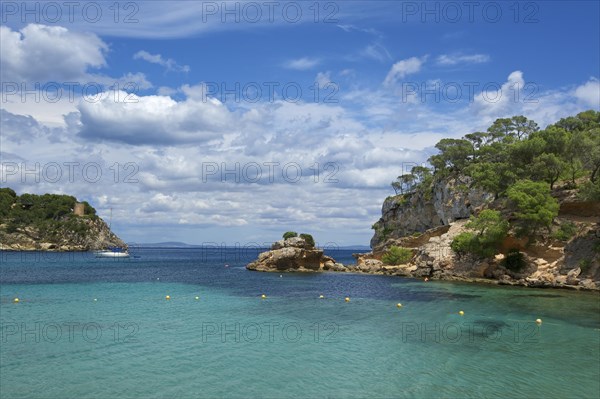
x: 294, y: 254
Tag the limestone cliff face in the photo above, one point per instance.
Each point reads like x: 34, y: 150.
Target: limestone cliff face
x: 428, y: 222
x: 93, y: 234
x: 449, y: 200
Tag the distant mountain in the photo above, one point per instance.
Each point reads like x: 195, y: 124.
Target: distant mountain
x: 356, y: 247
x: 166, y: 244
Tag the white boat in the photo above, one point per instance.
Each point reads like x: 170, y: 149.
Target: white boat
x: 112, y: 253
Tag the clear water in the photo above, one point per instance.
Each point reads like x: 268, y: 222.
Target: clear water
x: 57, y: 342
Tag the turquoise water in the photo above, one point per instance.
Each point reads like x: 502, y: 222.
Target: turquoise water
x: 57, y: 342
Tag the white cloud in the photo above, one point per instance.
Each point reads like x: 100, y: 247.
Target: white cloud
x: 323, y: 79
x: 500, y: 98
x: 42, y: 53
x: 47, y: 66
x: 377, y: 52
x: 403, y: 68
x: 132, y: 82
x: 351, y: 28
x: 169, y: 64
x: 166, y: 91
x: 369, y: 135
x: 454, y: 59
x: 589, y: 93
x: 128, y: 118
x: 302, y: 64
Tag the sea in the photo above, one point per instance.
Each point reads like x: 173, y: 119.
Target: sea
x: 193, y: 323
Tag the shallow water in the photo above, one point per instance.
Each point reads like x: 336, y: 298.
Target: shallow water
x: 57, y: 342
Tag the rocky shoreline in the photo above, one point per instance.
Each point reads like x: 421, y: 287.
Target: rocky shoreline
x: 433, y: 259
x: 97, y: 236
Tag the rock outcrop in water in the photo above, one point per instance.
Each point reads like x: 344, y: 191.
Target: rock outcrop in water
x: 294, y: 255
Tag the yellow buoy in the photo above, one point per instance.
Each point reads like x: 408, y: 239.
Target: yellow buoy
x: 398, y: 305
x: 263, y: 296
x: 168, y: 297
x: 461, y: 313
x: 197, y: 298
x: 347, y: 299
x: 539, y: 321
x: 321, y: 297
x: 16, y: 300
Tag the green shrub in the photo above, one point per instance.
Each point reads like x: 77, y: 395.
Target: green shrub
x: 397, y: 256
x: 514, y: 261
x: 463, y: 243
x: 491, y: 230
x: 565, y: 232
x: 403, y: 199
x: 590, y: 191
x: 585, y: 265
x: 289, y: 234
x: 308, y: 238
x: 386, y: 232
x: 12, y: 227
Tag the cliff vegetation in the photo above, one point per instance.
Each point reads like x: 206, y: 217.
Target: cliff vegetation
x: 506, y: 203
x: 48, y: 222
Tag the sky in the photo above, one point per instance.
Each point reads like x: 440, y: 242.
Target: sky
x: 233, y: 122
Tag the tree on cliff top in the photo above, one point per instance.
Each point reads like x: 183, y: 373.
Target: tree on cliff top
x: 533, y: 205
x: 308, y: 238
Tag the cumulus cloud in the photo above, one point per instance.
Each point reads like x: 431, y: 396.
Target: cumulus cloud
x: 302, y: 64
x: 128, y: 118
x: 403, y: 68
x: 49, y: 53
x: 169, y: 63
x: 454, y: 59
x: 368, y: 138
x: 21, y: 128
x: 499, y: 99
x: 589, y: 93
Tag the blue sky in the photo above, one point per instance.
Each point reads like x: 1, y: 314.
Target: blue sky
x: 387, y: 74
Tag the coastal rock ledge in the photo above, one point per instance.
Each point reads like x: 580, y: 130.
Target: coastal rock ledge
x: 294, y: 255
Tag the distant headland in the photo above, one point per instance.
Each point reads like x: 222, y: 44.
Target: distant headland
x: 51, y: 222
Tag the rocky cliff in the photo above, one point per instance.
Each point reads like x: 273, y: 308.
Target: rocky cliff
x: 51, y: 222
x: 427, y: 224
x: 78, y: 234
x: 294, y: 255
x: 415, y: 213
